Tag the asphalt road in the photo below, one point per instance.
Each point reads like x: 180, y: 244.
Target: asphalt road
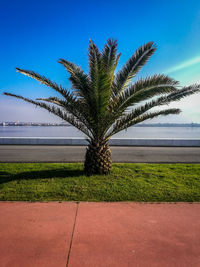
x: 19, y: 153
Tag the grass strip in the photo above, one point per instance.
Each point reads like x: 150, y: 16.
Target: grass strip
x: 126, y: 182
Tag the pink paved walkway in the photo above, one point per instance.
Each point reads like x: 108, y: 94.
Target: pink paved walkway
x: 99, y: 234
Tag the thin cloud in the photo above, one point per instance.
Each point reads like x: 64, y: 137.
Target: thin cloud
x: 183, y: 65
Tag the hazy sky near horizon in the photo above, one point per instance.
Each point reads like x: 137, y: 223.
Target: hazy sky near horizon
x: 35, y: 34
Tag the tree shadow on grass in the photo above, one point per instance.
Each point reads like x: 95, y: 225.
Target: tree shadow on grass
x: 6, y: 177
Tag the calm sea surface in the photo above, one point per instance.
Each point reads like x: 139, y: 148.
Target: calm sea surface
x: 69, y: 131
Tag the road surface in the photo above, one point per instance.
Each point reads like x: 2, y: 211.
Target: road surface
x: 23, y: 153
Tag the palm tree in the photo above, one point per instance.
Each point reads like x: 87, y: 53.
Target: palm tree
x: 104, y: 102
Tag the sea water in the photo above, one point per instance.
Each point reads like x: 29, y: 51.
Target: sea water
x: 70, y: 131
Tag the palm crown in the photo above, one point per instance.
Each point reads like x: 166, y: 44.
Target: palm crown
x: 104, y: 102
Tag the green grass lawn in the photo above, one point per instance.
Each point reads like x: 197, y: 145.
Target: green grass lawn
x: 126, y: 182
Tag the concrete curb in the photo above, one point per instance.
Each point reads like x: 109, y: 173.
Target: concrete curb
x: 113, y: 141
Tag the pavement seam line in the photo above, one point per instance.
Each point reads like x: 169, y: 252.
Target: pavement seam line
x: 72, y: 236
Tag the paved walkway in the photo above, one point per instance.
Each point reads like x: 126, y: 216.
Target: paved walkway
x: 23, y: 153
x: 99, y: 234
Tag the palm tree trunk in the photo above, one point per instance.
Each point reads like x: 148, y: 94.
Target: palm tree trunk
x: 97, y: 159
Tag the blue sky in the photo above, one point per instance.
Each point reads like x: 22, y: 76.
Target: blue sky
x: 35, y: 34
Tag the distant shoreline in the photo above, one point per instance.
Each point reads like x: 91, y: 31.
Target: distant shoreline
x: 7, y: 124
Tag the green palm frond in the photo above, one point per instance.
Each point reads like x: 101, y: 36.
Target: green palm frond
x: 130, y: 120
x: 109, y: 54
x: 143, y: 90
x: 185, y: 91
x: 47, y: 82
x: 77, y: 109
x: 78, y: 79
x: 157, y: 79
x: 58, y: 112
x: 166, y: 100
x: 99, y: 81
x: 133, y: 65
x: 53, y: 100
x: 110, y: 57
